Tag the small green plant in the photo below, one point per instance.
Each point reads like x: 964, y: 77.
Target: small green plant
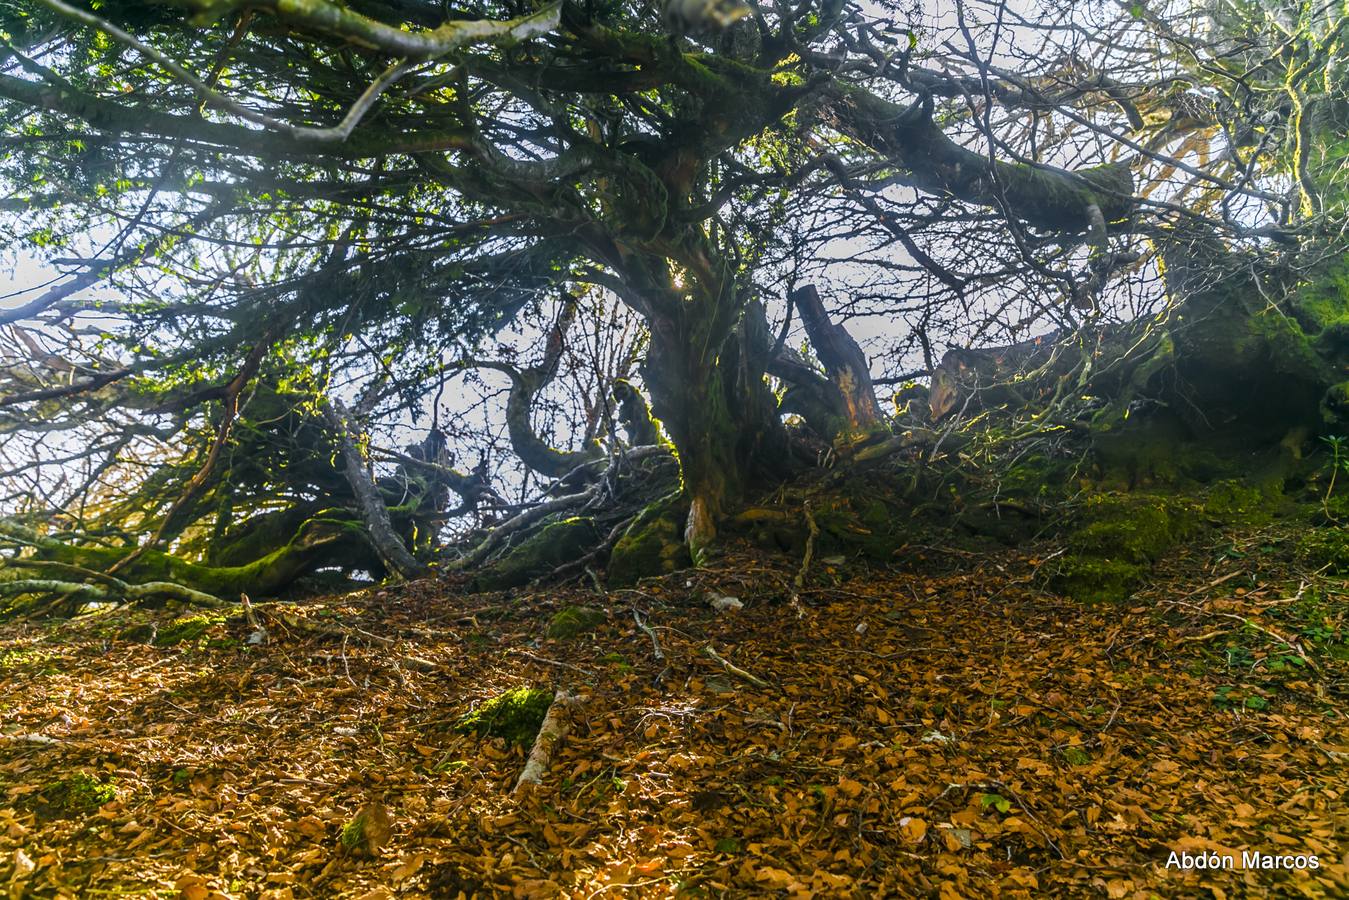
x: 618, y: 661
x: 1076, y: 756
x: 1230, y: 696
x: 353, y: 833
x: 449, y: 765
x: 367, y: 831
x: 995, y: 801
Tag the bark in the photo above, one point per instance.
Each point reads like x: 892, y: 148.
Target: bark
x: 1045, y: 197
x: 88, y: 585
x: 807, y: 393
x: 844, y: 363
x: 369, y: 500
x: 1246, y: 356
x: 709, y: 392
x: 634, y: 414
x: 556, y: 724
x: 996, y: 375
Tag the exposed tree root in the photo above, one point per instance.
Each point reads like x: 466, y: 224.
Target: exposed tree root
x: 650, y: 632
x: 711, y: 653
x: 556, y: 724
x: 98, y: 587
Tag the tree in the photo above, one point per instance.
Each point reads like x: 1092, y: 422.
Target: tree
x: 359, y: 185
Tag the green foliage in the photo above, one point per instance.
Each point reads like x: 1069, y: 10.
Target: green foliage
x: 1076, y: 756
x: 352, y: 835
x: 514, y: 716
x: 1231, y: 696
x: 996, y: 801
x: 617, y: 660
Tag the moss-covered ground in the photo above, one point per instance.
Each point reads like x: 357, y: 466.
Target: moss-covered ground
x: 513, y: 715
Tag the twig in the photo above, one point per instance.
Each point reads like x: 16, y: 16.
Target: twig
x: 345, y: 664
x: 1213, y: 584
x: 650, y: 632
x: 259, y: 633
x: 524, y: 519
x: 1274, y: 634
x: 568, y: 569
x: 710, y: 652
x: 374, y: 637
x: 41, y: 740
x: 1244, y: 620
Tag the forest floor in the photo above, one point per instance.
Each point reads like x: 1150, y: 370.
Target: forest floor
x: 951, y: 731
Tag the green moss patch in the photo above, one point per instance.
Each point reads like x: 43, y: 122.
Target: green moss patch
x: 573, y: 621
x: 652, y: 545
x: 18, y: 658
x: 1119, y: 539
x: 514, y: 716
x: 1325, y: 548
x: 1232, y: 502
x: 366, y: 832
x: 1092, y: 579
x: 78, y: 793
x: 861, y: 525
x: 1322, y: 302
x: 558, y: 543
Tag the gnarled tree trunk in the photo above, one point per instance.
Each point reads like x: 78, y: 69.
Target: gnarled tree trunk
x: 707, y: 388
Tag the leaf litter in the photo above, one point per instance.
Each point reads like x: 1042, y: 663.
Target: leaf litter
x: 956, y: 732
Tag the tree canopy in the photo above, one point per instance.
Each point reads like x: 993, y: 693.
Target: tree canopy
x: 285, y: 230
